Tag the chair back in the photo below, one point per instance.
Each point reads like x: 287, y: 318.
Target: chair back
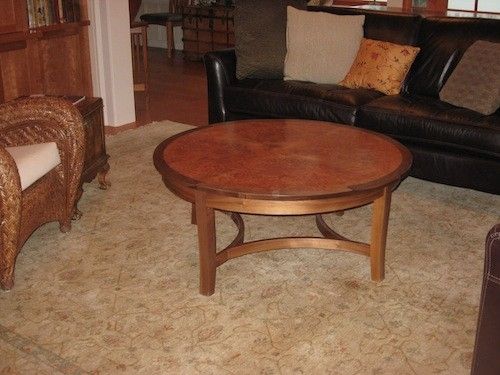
x: 175, y: 6
x: 133, y: 7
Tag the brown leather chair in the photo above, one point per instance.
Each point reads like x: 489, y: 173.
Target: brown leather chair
x: 169, y: 20
x: 486, y: 360
x: 42, y: 146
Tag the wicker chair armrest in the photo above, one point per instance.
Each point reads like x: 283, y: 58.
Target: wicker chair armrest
x: 45, y: 119
x: 10, y: 205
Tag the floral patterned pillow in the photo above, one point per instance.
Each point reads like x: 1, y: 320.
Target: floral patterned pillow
x: 380, y: 66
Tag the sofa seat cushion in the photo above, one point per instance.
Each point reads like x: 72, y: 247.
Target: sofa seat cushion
x: 428, y: 120
x: 34, y: 161
x: 296, y: 99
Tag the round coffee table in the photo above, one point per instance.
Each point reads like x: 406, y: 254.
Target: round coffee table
x: 282, y: 167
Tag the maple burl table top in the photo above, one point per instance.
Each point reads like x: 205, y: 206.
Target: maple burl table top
x: 281, y: 159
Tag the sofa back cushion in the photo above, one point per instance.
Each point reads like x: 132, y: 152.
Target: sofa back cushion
x: 394, y: 28
x: 475, y: 82
x: 443, y: 41
x: 321, y: 47
x: 260, y: 37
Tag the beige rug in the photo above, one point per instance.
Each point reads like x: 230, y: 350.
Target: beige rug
x: 119, y: 293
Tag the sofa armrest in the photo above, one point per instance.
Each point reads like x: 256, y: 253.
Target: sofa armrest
x: 10, y: 210
x: 486, y: 359
x: 492, y: 261
x: 47, y: 119
x: 221, y: 72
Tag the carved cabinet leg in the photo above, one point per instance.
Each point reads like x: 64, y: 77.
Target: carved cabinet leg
x: 101, y: 177
x: 65, y: 225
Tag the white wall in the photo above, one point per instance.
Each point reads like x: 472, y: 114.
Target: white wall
x: 112, y: 60
x: 157, y: 35
x: 482, y: 5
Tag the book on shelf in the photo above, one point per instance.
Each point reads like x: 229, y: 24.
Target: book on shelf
x: 50, y: 12
x: 70, y: 10
x: 31, y: 14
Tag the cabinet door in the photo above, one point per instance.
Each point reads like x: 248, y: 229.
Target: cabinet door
x: 12, y: 16
x: 61, y: 60
x: 14, y: 73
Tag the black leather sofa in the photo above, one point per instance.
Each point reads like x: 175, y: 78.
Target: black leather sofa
x: 450, y: 145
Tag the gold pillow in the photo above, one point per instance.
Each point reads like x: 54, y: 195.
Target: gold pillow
x: 380, y: 66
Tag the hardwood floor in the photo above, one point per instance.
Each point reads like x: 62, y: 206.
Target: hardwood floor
x: 177, y: 91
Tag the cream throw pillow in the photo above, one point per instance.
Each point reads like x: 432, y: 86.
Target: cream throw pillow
x: 321, y: 47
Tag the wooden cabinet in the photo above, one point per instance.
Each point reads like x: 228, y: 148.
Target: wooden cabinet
x: 206, y: 29
x: 96, y: 158
x: 12, y: 16
x: 51, y: 60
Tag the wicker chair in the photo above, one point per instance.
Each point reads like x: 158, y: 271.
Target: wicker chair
x: 52, y: 196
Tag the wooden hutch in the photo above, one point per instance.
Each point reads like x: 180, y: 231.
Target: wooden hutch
x: 53, y: 60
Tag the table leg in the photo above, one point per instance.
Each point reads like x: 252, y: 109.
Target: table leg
x: 205, y: 219
x: 193, y: 214
x: 380, y: 220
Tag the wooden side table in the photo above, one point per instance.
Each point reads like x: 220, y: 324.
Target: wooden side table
x: 96, y: 158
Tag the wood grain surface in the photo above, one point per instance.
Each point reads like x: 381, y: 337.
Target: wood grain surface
x: 282, y: 159
x: 282, y: 167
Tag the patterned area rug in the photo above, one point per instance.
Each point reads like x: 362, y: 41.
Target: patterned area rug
x: 119, y: 293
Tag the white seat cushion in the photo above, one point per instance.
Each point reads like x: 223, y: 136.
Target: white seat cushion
x: 34, y: 161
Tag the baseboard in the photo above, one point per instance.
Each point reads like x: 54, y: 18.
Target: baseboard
x: 112, y: 130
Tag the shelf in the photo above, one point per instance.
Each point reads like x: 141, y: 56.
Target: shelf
x: 58, y: 26
x: 42, y: 32
x: 55, y: 29
x: 52, y: 59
